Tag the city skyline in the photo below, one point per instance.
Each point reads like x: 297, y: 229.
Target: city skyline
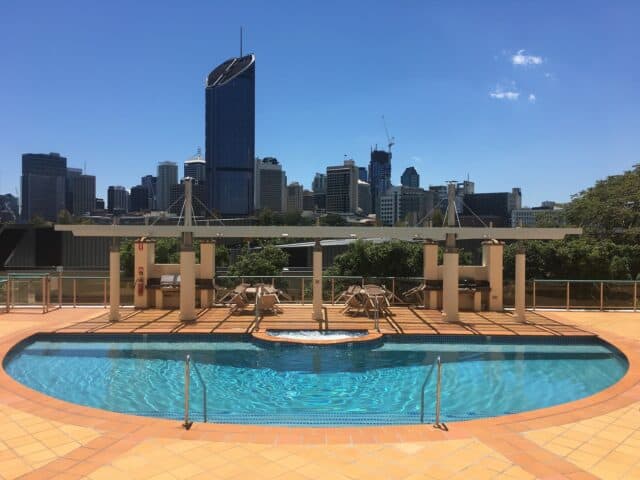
x: 517, y: 97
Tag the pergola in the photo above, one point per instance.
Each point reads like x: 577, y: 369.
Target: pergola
x: 492, y: 249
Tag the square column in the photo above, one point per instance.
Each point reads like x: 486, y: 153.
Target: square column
x: 520, y: 285
x: 450, y: 278
x: 492, y: 258
x: 114, y: 283
x: 317, y: 282
x: 187, y: 280
x: 430, y: 271
x: 207, y: 270
x: 144, y: 255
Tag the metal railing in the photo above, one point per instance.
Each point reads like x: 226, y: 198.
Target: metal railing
x: 187, y: 391
x: 438, y: 364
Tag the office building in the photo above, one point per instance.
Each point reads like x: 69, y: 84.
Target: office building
x: 82, y: 191
x: 379, y: 175
x: 498, y: 204
x: 195, y: 168
x: 271, y: 185
x: 198, y: 194
x: 363, y: 174
x: 294, y: 197
x: 230, y: 137
x: 150, y: 182
x: 43, y: 184
x: 364, y: 197
x: 308, y: 202
x: 416, y: 204
x: 342, y: 188
x: 319, y: 184
x: 117, y: 200
x: 139, y: 199
x: 389, y: 212
x: 410, y: 178
x: 99, y: 205
x: 68, y: 199
x: 9, y: 208
x: 167, y: 177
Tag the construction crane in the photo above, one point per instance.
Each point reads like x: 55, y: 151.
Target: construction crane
x: 391, y: 141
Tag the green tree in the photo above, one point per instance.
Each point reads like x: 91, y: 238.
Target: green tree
x: 333, y: 220
x: 268, y: 261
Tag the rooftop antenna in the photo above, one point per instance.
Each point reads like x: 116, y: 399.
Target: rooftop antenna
x: 240, y: 42
x: 84, y: 168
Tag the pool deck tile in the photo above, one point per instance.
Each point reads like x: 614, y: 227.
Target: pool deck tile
x: 595, y: 437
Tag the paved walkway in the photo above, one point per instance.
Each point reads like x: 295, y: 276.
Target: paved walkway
x: 597, y: 437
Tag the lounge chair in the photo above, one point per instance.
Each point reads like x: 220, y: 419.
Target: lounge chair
x: 268, y: 302
x: 229, y: 294
x: 238, y: 302
x: 353, y: 305
x: 348, y: 293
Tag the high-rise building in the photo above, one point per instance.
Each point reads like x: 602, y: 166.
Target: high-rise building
x: 71, y: 174
x: 230, y: 137
x: 308, y: 203
x: 319, y: 184
x: 43, y: 185
x: 150, y: 182
x: 198, y: 193
x: 294, y: 197
x: 415, y: 204
x: 100, y: 204
x: 389, y: 212
x: 195, y: 168
x: 342, y: 188
x: 498, y: 205
x: 9, y: 208
x: 117, y: 199
x: 379, y: 175
x: 410, y: 178
x: 364, y: 197
x: 139, y: 199
x: 363, y: 174
x: 83, y: 194
x: 167, y: 176
x: 271, y: 185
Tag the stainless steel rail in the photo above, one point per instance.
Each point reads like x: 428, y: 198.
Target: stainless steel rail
x: 424, y: 384
x: 187, y: 376
x: 204, y: 390
x: 438, y: 394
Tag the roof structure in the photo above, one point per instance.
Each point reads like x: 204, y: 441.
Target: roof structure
x: 227, y: 71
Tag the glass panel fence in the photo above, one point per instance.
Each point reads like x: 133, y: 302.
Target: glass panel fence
x: 550, y: 294
x: 584, y: 295
x: 619, y: 295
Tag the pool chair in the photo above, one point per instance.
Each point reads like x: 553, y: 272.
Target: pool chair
x: 354, y: 305
x: 348, y: 293
x: 416, y: 293
x: 230, y: 294
x: 268, y: 302
x: 238, y: 302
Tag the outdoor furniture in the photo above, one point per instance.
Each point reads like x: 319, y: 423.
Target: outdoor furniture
x: 354, y: 304
x: 268, y: 302
x: 417, y: 293
x: 348, y: 293
x: 238, y: 302
x: 229, y: 294
x: 166, y: 285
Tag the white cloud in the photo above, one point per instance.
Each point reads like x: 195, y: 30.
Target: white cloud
x: 500, y: 95
x: 521, y: 59
x: 532, y: 98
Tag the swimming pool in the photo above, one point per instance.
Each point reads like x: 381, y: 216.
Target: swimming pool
x: 254, y: 382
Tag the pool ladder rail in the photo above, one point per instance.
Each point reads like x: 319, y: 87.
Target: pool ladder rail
x: 187, y: 389
x: 437, y: 423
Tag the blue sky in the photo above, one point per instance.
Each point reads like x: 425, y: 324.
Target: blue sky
x: 544, y: 95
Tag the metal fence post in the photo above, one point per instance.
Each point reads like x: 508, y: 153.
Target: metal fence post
x: 568, y: 293
x: 601, y: 296
x: 75, y: 288
x: 59, y: 290
x: 635, y: 295
x: 333, y: 290
x: 43, y: 284
x: 534, y: 295
x: 393, y: 289
x: 302, y: 289
x: 104, y: 292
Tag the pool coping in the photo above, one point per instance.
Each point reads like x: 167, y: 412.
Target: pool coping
x: 620, y: 394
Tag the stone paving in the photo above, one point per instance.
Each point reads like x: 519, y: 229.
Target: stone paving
x: 596, y: 437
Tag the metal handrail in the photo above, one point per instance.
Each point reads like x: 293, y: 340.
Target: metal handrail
x: 424, y: 385
x: 187, y: 388
x: 438, y: 393
x: 204, y: 390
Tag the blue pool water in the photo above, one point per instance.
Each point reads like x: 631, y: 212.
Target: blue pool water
x: 256, y: 382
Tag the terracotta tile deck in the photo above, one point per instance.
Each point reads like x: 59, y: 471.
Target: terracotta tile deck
x: 596, y: 437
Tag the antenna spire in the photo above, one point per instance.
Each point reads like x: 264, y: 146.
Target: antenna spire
x: 240, y: 42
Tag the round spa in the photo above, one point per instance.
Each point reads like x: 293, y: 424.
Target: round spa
x: 254, y: 382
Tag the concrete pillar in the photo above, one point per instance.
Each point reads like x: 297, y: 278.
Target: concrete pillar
x: 450, y: 285
x: 430, y: 271
x: 207, y: 270
x: 114, y: 283
x: 187, y: 279
x: 492, y: 259
x: 317, y: 282
x: 144, y: 255
x: 520, y: 285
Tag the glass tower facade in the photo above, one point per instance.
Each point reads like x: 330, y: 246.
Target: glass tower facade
x: 43, y: 185
x: 230, y: 137
x: 379, y: 176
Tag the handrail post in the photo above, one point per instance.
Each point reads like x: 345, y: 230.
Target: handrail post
x: 43, y: 283
x: 104, y: 292
x: 8, y: 295
x: 333, y: 290
x: 534, y: 295
x: 568, y: 293
x: 60, y: 290
x: 302, y: 289
x: 393, y: 289
x: 187, y: 374
x: 601, y: 296
x: 438, y: 392
x: 75, y: 291
x: 635, y: 295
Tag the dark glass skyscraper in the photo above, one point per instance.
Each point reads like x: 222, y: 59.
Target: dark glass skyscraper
x: 43, y: 185
x: 230, y: 136
x: 379, y: 176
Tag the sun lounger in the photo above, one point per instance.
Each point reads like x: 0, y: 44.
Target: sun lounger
x: 268, y: 302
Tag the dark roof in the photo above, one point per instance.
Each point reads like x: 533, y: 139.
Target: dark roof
x: 230, y: 69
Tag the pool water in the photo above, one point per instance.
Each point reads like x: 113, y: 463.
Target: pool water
x: 355, y: 384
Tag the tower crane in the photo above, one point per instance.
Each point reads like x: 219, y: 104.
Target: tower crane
x: 391, y: 141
